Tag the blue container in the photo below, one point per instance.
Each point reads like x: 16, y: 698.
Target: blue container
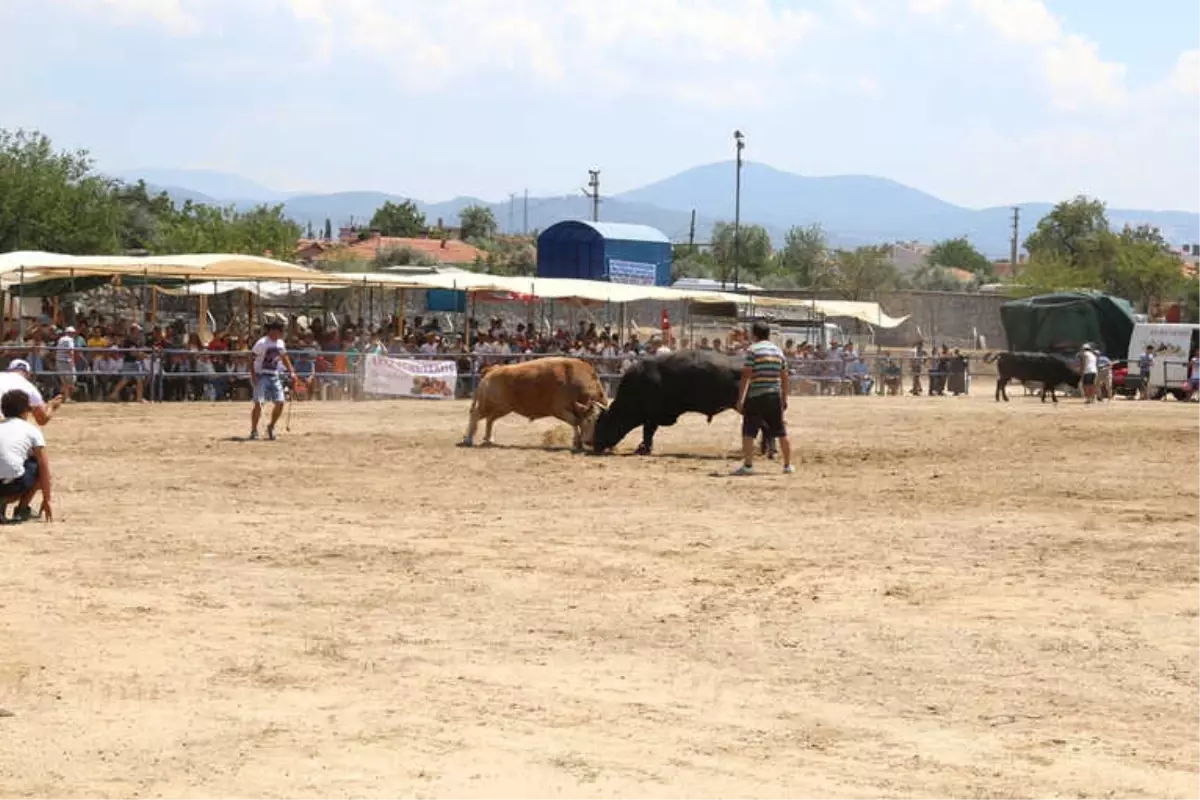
x: 605, y: 251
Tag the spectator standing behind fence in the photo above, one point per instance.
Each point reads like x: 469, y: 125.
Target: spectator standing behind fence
x: 17, y: 377
x: 918, y: 360
x: 269, y: 354
x: 64, y: 363
x: 24, y: 467
x: 1145, y: 364
x: 762, y: 399
x: 1088, y: 366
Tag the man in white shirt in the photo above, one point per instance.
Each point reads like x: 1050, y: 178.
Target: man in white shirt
x: 1089, y: 366
x: 64, y: 362
x: 17, y: 377
x: 24, y: 468
x: 269, y: 354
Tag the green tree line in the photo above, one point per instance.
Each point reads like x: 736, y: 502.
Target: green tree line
x: 56, y: 201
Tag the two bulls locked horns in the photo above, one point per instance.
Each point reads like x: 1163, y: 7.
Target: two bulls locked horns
x: 653, y: 393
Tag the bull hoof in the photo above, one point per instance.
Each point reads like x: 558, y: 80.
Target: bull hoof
x: 642, y: 450
x: 465, y: 443
x: 487, y: 443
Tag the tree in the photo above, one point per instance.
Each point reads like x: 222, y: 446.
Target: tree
x: 1047, y: 273
x: 863, y: 270
x: 804, y: 260
x: 1146, y: 271
x: 1075, y: 231
x: 403, y: 257
x: 934, y: 278
x: 961, y: 254
x: 477, y: 222
x: 689, y: 262
x: 398, y: 219
x: 309, y: 233
x: 755, y: 256
x: 328, y: 229
x: 53, y: 200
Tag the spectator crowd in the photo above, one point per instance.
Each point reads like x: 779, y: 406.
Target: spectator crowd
x: 99, y: 359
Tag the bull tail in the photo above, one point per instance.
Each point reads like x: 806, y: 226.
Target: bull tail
x: 990, y: 357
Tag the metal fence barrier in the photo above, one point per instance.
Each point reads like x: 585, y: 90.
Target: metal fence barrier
x: 173, y: 375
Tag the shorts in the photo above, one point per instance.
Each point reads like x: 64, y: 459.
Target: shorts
x: 1089, y: 379
x: 268, y: 389
x: 67, y: 379
x: 763, y: 413
x: 19, y: 487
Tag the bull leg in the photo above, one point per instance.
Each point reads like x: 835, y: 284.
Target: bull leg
x: 1044, y: 393
x: 1000, y: 383
x: 647, y: 445
x: 487, y: 431
x: 1053, y: 397
x: 472, y: 426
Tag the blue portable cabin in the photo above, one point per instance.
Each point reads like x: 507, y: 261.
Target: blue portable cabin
x: 605, y: 251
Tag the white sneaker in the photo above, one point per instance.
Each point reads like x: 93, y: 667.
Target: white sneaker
x: 743, y: 470
x: 789, y: 469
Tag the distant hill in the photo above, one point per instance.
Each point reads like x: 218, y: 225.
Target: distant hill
x: 853, y: 209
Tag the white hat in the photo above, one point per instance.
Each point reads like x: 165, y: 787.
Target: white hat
x: 70, y: 329
x: 19, y: 365
x: 1087, y: 346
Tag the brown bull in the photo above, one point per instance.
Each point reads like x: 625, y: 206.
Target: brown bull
x: 564, y: 388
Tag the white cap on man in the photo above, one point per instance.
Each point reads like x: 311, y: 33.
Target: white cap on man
x: 19, y: 365
x: 70, y: 329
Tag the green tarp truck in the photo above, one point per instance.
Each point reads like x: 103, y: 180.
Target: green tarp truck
x: 1063, y: 321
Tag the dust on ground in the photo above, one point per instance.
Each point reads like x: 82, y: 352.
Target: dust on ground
x: 951, y: 597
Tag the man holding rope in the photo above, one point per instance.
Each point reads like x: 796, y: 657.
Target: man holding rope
x: 269, y: 353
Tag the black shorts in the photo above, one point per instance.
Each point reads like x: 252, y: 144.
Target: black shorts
x: 22, y: 485
x: 763, y: 413
x: 1089, y: 379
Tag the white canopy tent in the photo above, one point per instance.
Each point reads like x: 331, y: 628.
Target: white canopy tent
x: 215, y: 273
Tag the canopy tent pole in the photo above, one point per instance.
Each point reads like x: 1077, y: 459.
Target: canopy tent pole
x: 145, y: 281
x: 21, y: 307
x: 291, y: 316
x: 470, y: 315
x: 360, y: 301
x: 398, y: 324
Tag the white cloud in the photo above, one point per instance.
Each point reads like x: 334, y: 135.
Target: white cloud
x: 868, y: 86
x: 1075, y: 75
x: 169, y: 14
x: 1185, y: 79
x: 928, y: 6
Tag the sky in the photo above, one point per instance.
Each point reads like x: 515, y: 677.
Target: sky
x: 979, y: 102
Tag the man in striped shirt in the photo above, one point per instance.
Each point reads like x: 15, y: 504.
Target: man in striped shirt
x: 762, y: 398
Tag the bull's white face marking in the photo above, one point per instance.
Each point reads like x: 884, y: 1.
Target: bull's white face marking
x: 587, y: 426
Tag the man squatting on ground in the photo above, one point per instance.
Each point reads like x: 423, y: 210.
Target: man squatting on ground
x: 762, y: 398
x: 24, y: 467
x: 269, y: 353
x: 17, y: 377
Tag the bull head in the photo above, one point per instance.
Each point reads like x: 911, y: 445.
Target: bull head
x: 588, y: 413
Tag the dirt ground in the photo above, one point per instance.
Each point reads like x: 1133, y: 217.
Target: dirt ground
x: 950, y: 598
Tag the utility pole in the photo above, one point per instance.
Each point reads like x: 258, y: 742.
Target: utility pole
x: 1016, y: 225
x: 525, y: 215
x: 692, y: 234
x: 740, y: 141
x: 512, y: 199
x: 594, y: 193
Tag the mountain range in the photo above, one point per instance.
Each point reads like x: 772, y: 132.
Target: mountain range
x: 853, y: 209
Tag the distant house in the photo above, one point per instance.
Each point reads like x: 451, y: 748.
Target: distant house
x: 908, y: 257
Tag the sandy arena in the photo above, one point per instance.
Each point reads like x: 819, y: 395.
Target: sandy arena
x: 951, y: 598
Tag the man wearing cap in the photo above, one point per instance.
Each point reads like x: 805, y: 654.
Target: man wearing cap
x: 17, y: 377
x: 64, y: 363
x: 269, y: 353
x: 1088, y: 366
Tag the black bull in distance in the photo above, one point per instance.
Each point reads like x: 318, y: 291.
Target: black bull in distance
x: 656, y: 391
x: 1048, y: 370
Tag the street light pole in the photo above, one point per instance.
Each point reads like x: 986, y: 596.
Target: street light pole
x: 737, y: 210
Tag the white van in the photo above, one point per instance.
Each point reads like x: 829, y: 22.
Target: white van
x: 1172, y: 345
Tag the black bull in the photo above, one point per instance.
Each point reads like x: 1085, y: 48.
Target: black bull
x: 656, y: 391
x: 1048, y: 370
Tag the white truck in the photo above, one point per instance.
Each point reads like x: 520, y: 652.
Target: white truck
x: 1172, y: 345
